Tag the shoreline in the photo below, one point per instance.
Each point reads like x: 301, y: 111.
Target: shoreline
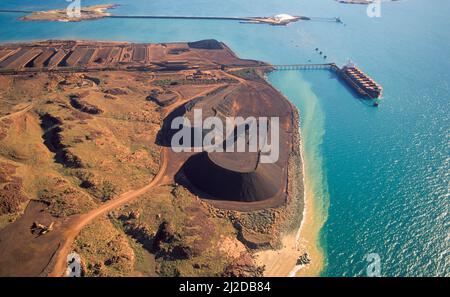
x: 308, y: 235
x: 315, y: 192
x: 305, y: 238
x: 282, y: 262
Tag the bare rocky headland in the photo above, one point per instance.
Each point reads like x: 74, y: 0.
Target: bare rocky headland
x: 61, y: 15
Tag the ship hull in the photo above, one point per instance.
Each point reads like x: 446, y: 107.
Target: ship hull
x: 363, y: 85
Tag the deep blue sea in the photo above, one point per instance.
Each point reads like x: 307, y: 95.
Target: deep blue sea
x: 380, y: 175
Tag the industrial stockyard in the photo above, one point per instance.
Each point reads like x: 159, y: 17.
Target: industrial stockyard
x: 92, y: 56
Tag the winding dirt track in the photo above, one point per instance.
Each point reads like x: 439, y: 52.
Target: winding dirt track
x: 60, y: 266
x: 17, y: 113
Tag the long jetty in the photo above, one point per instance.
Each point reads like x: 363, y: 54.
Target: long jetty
x: 359, y: 88
x: 326, y: 66
x: 310, y: 66
x: 183, y: 17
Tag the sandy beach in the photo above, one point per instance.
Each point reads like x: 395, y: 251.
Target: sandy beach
x: 282, y: 262
x: 307, y: 239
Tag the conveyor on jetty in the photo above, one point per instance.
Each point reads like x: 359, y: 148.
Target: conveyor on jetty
x: 326, y: 66
x: 182, y: 17
x: 355, y: 78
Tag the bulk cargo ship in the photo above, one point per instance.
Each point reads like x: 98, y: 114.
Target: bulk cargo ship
x: 360, y: 82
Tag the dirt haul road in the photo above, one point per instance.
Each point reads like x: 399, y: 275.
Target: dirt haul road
x: 60, y: 266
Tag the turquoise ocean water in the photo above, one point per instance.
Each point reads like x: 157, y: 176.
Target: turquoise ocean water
x: 381, y: 174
